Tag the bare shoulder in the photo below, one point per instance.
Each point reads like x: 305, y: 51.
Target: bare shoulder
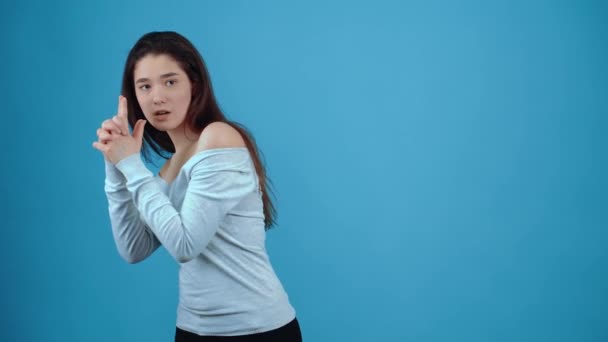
x: 219, y: 135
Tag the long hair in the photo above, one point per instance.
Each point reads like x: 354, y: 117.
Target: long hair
x: 203, y: 108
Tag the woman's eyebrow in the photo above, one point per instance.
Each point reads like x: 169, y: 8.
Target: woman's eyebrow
x: 169, y: 74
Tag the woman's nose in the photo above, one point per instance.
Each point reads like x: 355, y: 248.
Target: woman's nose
x: 158, y: 99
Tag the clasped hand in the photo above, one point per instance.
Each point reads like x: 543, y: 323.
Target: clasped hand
x: 114, y: 140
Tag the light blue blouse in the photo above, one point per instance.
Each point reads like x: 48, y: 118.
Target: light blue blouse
x: 211, y: 220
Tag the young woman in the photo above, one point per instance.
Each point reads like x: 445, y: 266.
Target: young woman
x: 209, y: 205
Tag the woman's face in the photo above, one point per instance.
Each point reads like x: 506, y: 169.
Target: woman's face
x: 163, y: 91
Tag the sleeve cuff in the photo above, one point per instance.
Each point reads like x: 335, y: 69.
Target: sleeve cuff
x: 113, y: 175
x: 132, y: 167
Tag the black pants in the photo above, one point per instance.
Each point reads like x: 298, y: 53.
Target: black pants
x: 290, y: 332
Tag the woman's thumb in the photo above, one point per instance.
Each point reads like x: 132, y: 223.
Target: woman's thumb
x: 138, y: 130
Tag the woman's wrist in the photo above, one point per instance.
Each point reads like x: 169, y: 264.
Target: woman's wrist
x: 132, y: 166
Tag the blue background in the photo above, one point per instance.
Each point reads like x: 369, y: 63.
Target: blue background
x: 440, y: 166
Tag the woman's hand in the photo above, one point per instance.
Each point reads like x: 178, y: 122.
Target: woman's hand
x: 115, y: 142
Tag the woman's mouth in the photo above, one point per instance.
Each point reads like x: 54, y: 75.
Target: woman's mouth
x: 161, y: 112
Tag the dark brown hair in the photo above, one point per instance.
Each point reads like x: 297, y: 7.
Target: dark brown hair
x: 203, y: 108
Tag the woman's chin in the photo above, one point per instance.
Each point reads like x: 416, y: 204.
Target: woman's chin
x: 161, y: 126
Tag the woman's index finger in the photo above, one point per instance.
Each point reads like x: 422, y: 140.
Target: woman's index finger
x: 122, y: 106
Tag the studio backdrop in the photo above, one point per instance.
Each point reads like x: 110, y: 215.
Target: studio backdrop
x: 439, y: 167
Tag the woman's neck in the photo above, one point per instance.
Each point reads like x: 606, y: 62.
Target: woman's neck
x: 183, y: 143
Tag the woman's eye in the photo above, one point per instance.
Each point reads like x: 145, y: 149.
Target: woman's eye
x: 170, y: 82
x: 144, y: 87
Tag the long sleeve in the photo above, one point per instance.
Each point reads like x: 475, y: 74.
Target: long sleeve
x: 217, y: 181
x: 133, y: 239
